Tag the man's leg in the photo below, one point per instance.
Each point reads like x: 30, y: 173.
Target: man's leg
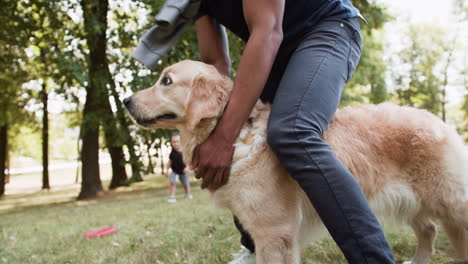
x: 246, y: 239
x: 305, y: 102
x: 246, y: 254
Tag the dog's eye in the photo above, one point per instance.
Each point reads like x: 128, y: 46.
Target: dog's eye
x: 166, y: 81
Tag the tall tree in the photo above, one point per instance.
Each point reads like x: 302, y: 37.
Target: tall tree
x: 114, y: 142
x: 100, y: 81
x: 114, y: 131
x: 126, y: 17
x: 14, y: 36
x: 95, y: 24
x: 3, y: 155
x: 124, y: 138
x: 50, y: 25
x: 46, y: 27
x: 45, y: 137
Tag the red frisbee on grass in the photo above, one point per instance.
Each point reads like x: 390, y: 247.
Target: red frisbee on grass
x: 105, y: 231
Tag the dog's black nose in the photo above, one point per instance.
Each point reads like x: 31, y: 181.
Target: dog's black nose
x: 127, y: 101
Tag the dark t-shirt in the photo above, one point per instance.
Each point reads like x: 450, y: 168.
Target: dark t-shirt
x: 299, y: 17
x: 177, y: 163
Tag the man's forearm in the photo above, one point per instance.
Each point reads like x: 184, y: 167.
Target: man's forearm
x: 213, y: 44
x: 252, y: 74
x: 222, y: 65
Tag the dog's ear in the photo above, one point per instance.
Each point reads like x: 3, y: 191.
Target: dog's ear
x: 207, y: 99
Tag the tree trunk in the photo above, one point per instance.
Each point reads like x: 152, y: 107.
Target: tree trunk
x: 134, y: 162
x: 378, y: 91
x: 444, y: 85
x: 95, y: 15
x: 3, y: 156
x: 150, y: 161
x: 161, y: 155
x: 95, y: 25
x: 444, y: 118
x: 45, y: 137
x: 91, y: 186
x: 134, y: 158
x: 114, y: 144
x: 8, y: 168
x: 119, y: 175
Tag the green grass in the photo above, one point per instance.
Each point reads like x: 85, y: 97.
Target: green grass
x: 150, y: 230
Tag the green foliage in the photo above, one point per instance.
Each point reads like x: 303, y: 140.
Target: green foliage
x: 26, y: 143
x: 422, y: 84
x: 368, y: 81
x: 375, y: 14
x: 461, y: 10
x: 65, y: 135
x: 27, y: 139
x: 14, y: 37
x: 14, y: 34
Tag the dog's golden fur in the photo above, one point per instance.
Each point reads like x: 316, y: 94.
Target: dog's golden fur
x: 411, y: 166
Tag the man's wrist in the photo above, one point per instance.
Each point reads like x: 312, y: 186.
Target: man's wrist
x: 227, y: 136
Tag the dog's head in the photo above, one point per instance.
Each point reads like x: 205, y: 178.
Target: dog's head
x: 185, y: 93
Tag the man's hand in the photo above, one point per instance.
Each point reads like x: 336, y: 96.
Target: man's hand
x: 213, y: 159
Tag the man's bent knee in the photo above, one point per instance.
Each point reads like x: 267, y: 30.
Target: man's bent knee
x: 282, y: 136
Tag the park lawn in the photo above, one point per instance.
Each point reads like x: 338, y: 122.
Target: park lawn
x: 150, y: 230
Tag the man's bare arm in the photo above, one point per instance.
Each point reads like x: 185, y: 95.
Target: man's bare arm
x: 213, y: 44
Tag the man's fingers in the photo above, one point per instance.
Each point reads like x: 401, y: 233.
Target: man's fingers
x: 200, y: 172
x: 208, y: 178
x: 226, y: 173
x: 195, y: 159
x: 217, y: 180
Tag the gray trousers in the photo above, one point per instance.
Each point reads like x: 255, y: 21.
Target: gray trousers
x: 305, y: 101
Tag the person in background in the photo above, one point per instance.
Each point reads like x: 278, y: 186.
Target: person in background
x: 179, y: 170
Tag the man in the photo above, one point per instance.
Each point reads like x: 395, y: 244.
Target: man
x: 298, y: 56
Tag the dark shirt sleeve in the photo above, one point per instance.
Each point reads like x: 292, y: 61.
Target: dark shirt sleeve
x: 202, y: 11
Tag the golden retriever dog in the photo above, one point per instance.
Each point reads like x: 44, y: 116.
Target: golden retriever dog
x: 411, y: 166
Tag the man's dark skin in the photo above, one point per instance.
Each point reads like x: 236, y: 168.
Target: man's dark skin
x: 212, y: 159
